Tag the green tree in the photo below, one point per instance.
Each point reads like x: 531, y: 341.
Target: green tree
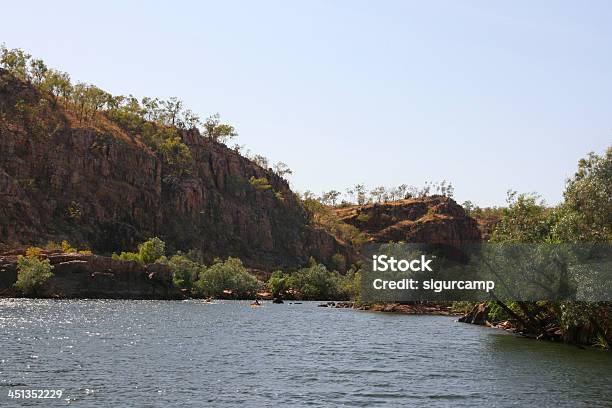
x: 261, y: 161
x: 378, y: 194
x: 32, y: 273
x: 360, y: 193
x: 38, y: 71
x: 227, y: 277
x: 184, y: 271
x: 176, y: 155
x: 338, y: 262
x: 151, y: 250
x: 586, y: 214
x: 15, y: 61
x: 525, y: 220
x: 330, y: 197
x: 57, y: 83
x: 220, y: 132
x: 148, y: 252
x: 317, y: 283
x: 282, y: 170
x: 170, y: 111
x: 279, y: 284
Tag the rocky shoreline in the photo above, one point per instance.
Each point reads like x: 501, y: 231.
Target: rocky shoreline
x: 91, y: 276
x: 480, y: 315
x: 401, y: 308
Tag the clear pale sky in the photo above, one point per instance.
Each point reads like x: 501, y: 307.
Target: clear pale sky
x: 489, y: 95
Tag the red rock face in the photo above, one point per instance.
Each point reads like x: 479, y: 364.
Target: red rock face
x: 102, y: 187
x: 432, y: 220
x: 93, y: 276
x: 99, y: 186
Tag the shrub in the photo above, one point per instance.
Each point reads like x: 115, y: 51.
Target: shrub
x: 260, y: 183
x: 128, y: 256
x: 184, y: 271
x: 148, y: 252
x: 32, y: 272
x: 66, y: 247
x: 151, y: 250
x: 279, y: 284
x: 338, y: 263
x: 316, y: 283
x: 32, y: 252
x: 229, y: 275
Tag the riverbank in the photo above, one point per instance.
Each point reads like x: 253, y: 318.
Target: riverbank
x: 401, y: 308
x: 84, y: 275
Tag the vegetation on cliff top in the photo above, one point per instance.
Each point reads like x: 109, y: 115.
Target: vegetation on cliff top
x: 160, y: 123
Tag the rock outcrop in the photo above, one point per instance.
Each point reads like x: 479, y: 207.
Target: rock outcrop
x: 432, y: 220
x: 95, y: 277
x: 100, y: 186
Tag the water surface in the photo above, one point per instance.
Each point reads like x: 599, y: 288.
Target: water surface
x: 193, y: 354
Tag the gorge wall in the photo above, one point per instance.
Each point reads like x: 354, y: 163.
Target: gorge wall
x: 100, y: 186
x: 433, y: 220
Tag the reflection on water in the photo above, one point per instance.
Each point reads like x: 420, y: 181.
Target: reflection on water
x: 193, y: 354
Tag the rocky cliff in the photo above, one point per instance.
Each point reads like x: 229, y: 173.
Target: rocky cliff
x: 101, y: 186
x: 93, y: 276
x: 433, y: 220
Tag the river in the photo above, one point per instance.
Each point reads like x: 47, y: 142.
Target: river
x: 192, y: 354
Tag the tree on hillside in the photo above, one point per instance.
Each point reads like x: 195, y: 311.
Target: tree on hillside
x: 360, y: 192
x: 330, y: 197
x: 220, y: 132
x: 171, y: 109
x: 282, y: 169
x: 15, y: 61
x: 261, y: 161
x: 38, y: 71
x: 378, y: 194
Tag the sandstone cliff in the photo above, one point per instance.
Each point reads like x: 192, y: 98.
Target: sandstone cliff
x: 432, y: 220
x: 100, y: 186
x: 93, y: 276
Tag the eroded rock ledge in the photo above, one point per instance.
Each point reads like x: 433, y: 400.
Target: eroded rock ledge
x: 433, y: 220
x: 94, y: 276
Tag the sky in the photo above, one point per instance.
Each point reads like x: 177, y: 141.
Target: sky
x: 491, y: 96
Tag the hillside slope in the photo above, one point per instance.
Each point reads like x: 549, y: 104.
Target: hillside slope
x: 433, y: 220
x: 100, y: 186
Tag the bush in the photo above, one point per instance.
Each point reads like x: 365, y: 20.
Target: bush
x: 316, y: 283
x: 229, y: 275
x: 279, y: 284
x: 151, y: 250
x: 32, y: 273
x: 338, y: 262
x: 260, y: 183
x: 184, y: 271
x: 148, y: 252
